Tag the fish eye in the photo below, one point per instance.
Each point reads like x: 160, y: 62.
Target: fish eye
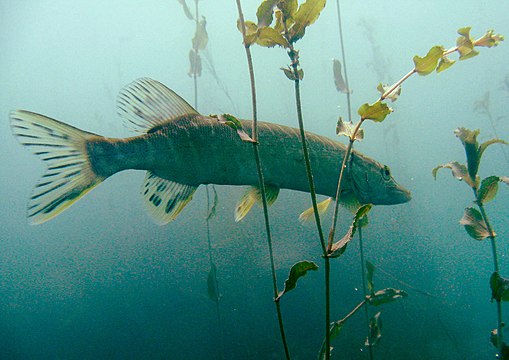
x: 386, y: 173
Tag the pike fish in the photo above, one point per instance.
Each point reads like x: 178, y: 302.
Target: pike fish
x: 180, y: 150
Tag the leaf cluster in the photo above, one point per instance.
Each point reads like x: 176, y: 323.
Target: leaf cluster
x: 484, y: 190
x: 437, y: 57
x: 281, y: 22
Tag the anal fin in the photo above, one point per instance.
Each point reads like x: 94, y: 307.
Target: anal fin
x: 253, y: 195
x: 165, y: 199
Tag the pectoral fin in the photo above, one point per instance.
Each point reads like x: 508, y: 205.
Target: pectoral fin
x: 165, y: 199
x: 253, y: 195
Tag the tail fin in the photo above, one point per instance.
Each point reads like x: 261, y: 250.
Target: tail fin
x: 63, y: 147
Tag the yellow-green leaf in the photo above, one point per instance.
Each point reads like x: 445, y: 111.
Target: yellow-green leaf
x: 444, y: 64
x: 465, y: 44
x: 264, y: 12
x: 489, y: 39
x: 269, y: 37
x: 251, y: 32
x: 376, y: 112
x: 235, y: 124
x: 426, y: 65
x: 306, y: 15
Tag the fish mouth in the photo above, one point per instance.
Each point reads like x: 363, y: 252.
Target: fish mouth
x: 398, y: 195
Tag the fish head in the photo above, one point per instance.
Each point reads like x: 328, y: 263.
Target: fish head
x: 373, y: 183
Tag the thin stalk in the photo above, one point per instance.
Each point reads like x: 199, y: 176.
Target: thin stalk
x: 216, y: 284
x: 500, y: 335
x: 262, y: 183
x: 341, y: 172
x: 293, y: 56
x: 355, y: 309
x: 343, y: 57
x: 195, y: 76
x: 364, y: 289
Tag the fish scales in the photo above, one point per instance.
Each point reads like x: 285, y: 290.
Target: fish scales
x: 198, y: 150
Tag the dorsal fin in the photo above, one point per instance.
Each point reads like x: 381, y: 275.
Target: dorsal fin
x: 146, y: 103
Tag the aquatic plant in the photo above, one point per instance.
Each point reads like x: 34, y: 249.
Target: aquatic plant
x: 291, y: 20
x: 299, y: 269
x: 436, y: 60
x: 476, y: 222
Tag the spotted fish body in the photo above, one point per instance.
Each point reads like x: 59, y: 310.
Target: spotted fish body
x: 180, y: 150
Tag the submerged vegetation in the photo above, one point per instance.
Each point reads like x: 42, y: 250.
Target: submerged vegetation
x: 477, y: 223
x: 283, y: 23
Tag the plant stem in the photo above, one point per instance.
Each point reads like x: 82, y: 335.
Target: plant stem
x: 355, y: 309
x: 261, y: 182
x: 293, y: 56
x: 500, y: 336
x: 364, y: 289
x: 195, y: 76
x: 216, y: 283
x: 343, y: 57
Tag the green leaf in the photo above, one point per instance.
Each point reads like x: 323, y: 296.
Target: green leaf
x: 375, y: 330
x: 499, y: 287
x: 339, y: 81
x: 306, y: 15
x: 469, y: 140
x: 393, y: 95
x: 297, y: 271
x: 339, y: 247
x: 488, y: 189
x: 474, y: 224
x: 426, y: 65
x: 505, y: 347
x: 489, y: 39
x: 444, y: 64
x: 465, y: 44
x: 269, y: 37
x: 369, y: 276
x: 376, y: 111
x: 201, y: 37
x: 459, y: 171
x: 344, y: 128
x: 334, y: 331
x: 386, y: 296
x: 235, y: 124
x: 212, y: 284
x: 264, y: 13
x: 291, y: 75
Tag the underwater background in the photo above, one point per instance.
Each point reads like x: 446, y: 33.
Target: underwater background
x: 101, y: 281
